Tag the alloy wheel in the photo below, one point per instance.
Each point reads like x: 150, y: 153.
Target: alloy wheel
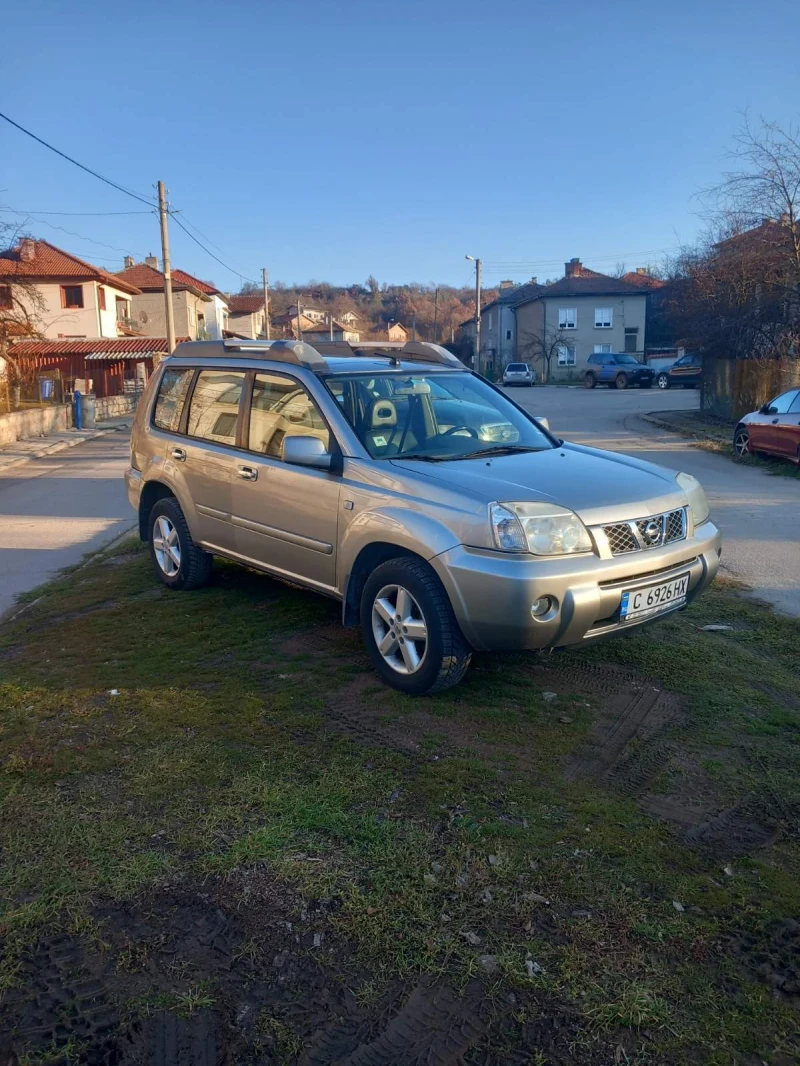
x: 741, y: 443
x: 663, y: 381
x: 166, y: 546
x: 399, y: 629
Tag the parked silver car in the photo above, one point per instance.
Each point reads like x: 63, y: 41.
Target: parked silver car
x: 442, y: 515
x: 519, y: 374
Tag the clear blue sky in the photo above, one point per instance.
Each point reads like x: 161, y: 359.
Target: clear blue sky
x: 333, y: 140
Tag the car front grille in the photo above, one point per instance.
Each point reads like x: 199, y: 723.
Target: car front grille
x: 645, y: 533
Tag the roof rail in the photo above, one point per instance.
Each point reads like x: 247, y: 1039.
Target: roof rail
x: 297, y: 352
x: 311, y: 356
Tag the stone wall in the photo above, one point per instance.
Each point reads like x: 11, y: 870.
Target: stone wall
x: 35, y: 422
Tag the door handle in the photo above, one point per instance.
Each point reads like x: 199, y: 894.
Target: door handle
x: 775, y: 421
x: 247, y: 473
x: 179, y: 454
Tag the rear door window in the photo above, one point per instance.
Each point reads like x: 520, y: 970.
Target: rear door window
x: 171, y: 398
x: 214, y: 407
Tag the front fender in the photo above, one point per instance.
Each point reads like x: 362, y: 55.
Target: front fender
x: 407, y: 529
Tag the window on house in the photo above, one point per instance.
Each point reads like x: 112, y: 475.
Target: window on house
x: 491, y: 320
x: 603, y: 318
x: 72, y: 295
x: 101, y: 297
x: 631, y: 338
x: 508, y: 334
x: 6, y: 303
x: 602, y: 349
x: 567, y: 317
x: 566, y: 354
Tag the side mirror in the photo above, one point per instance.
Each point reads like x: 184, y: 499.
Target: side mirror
x: 765, y: 409
x: 306, y: 451
x: 543, y: 422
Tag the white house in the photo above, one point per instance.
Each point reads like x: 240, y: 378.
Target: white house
x: 63, y: 296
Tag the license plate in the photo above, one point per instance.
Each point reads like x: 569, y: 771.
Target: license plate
x: 654, y: 598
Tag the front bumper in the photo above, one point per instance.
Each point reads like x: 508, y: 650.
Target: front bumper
x: 492, y: 592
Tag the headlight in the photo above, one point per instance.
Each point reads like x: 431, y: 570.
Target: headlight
x: 697, y: 498
x: 539, y: 528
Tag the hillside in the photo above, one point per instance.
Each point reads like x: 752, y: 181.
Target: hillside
x: 377, y: 305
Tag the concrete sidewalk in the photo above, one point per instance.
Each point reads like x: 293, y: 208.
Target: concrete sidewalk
x: 22, y: 451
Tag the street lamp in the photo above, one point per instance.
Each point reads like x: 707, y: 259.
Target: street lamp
x: 477, y: 263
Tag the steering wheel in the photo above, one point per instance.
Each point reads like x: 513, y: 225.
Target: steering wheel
x: 470, y: 432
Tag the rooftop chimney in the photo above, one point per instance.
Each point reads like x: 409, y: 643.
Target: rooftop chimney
x: 128, y: 262
x: 27, y: 249
x: 643, y: 270
x: 151, y: 261
x: 573, y: 268
x: 506, y: 284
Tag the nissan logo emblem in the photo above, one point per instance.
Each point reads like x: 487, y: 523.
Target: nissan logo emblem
x: 652, y: 532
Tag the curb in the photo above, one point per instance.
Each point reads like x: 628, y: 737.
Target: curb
x: 57, y: 446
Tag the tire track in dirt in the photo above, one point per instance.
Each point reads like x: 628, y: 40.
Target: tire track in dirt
x: 433, y: 1026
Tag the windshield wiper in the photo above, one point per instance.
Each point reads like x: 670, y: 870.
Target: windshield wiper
x: 422, y: 458
x: 500, y: 449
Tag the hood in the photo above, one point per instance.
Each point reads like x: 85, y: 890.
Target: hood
x: 599, y: 486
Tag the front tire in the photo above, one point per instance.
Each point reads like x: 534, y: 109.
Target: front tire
x: 741, y: 443
x: 177, y: 560
x: 410, y: 630
x: 663, y: 381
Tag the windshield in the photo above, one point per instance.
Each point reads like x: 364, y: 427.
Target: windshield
x: 433, y: 416
x: 627, y: 359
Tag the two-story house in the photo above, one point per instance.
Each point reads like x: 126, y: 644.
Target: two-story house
x: 200, y: 311
x: 48, y: 292
x: 560, y: 325
x: 332, y: 330
x: 246, y: 315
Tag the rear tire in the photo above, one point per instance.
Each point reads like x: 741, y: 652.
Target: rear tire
x: 663, y: 381
x: 403, y: 597
x: 177, y: 560
x: 621, y: 381
x: 589, y: 381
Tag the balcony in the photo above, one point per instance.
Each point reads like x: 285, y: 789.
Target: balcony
x: 129, y: 327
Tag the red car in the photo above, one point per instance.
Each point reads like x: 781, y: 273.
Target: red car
x: 773, y: 429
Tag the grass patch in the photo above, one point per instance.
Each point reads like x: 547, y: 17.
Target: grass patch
x: 170, y: 762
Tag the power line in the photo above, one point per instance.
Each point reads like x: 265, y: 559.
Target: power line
x: 82, y: 214
x: 238, y: 273
x: 108, y: 181
x: 69, y: 232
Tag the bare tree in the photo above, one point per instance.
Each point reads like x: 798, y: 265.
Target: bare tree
x: 737, y: 292
x: 21, y: 303
x: 542, y: 346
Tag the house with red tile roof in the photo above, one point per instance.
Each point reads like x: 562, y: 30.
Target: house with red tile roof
x: 246, y: 315
x: 47, y: 292
x: 200, y: 310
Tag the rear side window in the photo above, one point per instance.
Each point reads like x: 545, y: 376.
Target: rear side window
x: 170, y: 400
x: 214, y: 407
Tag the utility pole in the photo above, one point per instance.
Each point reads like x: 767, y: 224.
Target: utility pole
x: 436, y: 315
x: 299, y: 327
x: 414, y: 327
x: 477, y: 263
x: 162, y: 211
x: 330, y: 319
x: 265, y: 281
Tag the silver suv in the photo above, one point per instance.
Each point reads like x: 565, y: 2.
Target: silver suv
x: 443, y: 516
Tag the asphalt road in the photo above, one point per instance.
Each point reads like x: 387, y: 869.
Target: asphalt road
x: 55, y: 509
x: 759, y: 514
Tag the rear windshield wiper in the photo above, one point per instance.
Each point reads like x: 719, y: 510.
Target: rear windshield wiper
x: 500, y: 449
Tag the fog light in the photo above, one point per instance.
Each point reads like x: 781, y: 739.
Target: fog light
x: 544, y: 605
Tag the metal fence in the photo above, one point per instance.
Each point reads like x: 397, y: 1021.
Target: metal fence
x: 732, y: 387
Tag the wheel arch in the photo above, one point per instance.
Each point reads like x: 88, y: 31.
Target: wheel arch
x: 368, y: 558
x: 151, y: 493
